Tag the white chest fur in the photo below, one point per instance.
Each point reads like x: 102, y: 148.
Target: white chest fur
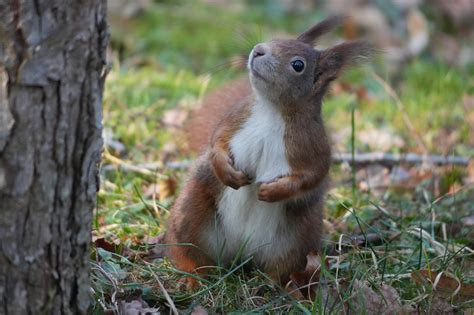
x: 259, y: 150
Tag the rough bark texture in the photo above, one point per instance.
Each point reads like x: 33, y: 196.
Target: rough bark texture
x: 52, y: 58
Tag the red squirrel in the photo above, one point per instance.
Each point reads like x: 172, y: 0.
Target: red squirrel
x: 259, y: 187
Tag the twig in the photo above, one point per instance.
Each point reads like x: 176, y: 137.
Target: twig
x: 360, y: 159
x: 127, y: 167
x: 390, y: 159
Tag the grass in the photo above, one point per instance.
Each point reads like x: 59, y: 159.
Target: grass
x: 166, y: 58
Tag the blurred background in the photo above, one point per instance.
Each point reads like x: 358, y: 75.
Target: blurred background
x: 417, y: 96
x: 167, y: 54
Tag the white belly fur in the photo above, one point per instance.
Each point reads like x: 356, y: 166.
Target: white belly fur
x: 260, y: 227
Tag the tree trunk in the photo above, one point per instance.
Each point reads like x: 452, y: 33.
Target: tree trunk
x: 52, y: 61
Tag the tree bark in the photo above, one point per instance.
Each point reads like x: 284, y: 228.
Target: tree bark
x: 52, y: 70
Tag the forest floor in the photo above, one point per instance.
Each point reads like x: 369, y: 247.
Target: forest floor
x: 401, y: 237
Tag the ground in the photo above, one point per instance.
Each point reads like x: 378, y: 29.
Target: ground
x: 400, y: 235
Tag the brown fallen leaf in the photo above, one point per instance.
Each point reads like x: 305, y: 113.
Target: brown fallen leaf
x: 163, y: 189
x: 468, y: 221
x: 294, y: 290
x: 174, y: 117
x: 152, y: 189
x: 136, y: 307
x: 153, y: 250
x: 443, y: 284
x: 365, y: 300
x: 167, y: 187
x: 439, y: 306
x: 153, y: 240
x: 102, y: 243
x: 349, y: 28
x: 469, y: 311
x: 306, y: 281
x: 380, y: 139
x: 199, y: 310
x: 374, y: 178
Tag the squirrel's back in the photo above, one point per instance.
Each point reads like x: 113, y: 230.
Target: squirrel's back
x: 216, y: 104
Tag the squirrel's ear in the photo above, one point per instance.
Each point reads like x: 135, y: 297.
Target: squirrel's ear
x: 310, y: 35
x: 335, y: 60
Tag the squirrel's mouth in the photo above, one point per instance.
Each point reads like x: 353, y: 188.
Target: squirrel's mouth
x: 254, y: 72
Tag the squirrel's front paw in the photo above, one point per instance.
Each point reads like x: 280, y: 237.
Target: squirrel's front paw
x: 234, y: 178
x: 228, y: 175
x: 281, y: 188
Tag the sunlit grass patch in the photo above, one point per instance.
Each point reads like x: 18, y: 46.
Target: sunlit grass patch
x: 135, y: 100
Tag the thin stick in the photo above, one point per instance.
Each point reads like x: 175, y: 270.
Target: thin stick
x: 390, y: 159
x: 360, y: 160
x: 364, y: 159
x: 127, y: 167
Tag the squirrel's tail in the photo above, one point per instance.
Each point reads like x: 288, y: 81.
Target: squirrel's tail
x: 202, y: 121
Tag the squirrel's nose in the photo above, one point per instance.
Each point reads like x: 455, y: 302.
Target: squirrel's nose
x: 258, y: 51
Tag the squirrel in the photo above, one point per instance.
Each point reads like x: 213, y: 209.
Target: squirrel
x: 259, y: 187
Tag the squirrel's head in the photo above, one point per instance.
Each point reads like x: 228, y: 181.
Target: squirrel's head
x: 291, y: 71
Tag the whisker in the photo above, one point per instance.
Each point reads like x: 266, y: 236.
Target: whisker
x: 236, y: 62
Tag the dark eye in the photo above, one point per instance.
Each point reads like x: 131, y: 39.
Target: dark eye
x: 298, y: 65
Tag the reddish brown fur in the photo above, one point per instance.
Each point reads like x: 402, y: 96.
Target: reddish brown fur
x: 195, y: 204
x: 308, y: 153
x: 306, y: 143
x: 220, y: 156
x: 204, y: 119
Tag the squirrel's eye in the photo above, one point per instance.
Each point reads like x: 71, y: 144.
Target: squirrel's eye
x: 298, y: 65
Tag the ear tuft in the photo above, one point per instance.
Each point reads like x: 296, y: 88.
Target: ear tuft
x: 310, y: 35
x: 335, y: 60
x: 350, y: 53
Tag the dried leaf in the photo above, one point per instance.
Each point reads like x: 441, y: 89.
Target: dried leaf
x: 149, y: 191
x: 153, y: 240
x: 199, y: 310
x: 167, y: 188
x: 366, y: 300
x: 382, y: 139
x: 468, y: 221
x: 102, y: 243
x: 350, y: 29
x: 374, y: 178
x: 306, y: 281
x: 293, y: 289
x: 439, y: 306
x: 444, y: 285
x: 469, y: 311
x: 175, y: 117
x: 313, y: 262
x: 137, y: 307
x: 154, y: 251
